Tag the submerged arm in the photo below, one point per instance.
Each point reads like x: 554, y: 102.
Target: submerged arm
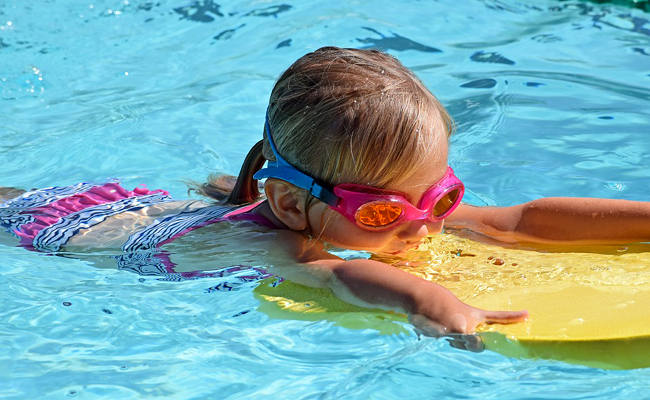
x: 430, y: 307
x: 559, y: 219
x: 370, y: 283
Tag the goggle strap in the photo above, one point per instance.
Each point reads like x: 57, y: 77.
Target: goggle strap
x: 279, y: 160
x: 281, y: 169
x: 323, y: 194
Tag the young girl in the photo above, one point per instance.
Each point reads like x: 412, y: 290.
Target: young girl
x: 357, y: 158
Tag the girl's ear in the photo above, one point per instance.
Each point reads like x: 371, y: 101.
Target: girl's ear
x: 287, y: 203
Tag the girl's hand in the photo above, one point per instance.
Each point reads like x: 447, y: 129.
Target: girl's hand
x: 442, y: 314
x: 437, y: 312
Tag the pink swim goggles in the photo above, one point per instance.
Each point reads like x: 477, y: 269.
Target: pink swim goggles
x: 370, y: 208
x: 376, y: 209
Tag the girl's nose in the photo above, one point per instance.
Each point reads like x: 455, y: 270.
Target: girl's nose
x: 418, y: 230
x: 435, y: 227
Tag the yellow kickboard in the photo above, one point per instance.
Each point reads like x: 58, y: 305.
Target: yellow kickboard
x: 606, y: 327
x: 587, y: 306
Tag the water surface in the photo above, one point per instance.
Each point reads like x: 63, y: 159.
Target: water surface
x: 551, y: 98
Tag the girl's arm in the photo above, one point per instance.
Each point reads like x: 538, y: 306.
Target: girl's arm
x: 559, y: 219
x: 369, y: 283
x: 429, y: 306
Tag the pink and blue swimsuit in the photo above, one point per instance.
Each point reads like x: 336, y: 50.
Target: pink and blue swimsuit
x: 45, y: 219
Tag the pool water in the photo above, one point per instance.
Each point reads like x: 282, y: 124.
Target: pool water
x: 551, y: 98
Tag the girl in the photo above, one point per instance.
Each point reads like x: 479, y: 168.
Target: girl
x: 357, y: 158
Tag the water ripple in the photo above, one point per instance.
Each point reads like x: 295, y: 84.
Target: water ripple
x: 551, y: 98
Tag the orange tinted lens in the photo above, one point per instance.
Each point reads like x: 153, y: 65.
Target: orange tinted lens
x: 445, y: 203
x: 378, y: 215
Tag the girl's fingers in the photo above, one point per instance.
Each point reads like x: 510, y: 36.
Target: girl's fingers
x: 427, y: 327
x: 465, y: 323
x: 471, y: 343
x: 504, y: 317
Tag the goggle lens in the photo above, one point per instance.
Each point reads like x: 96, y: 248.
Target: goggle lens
x: 378, y: 215
x: 445, y: 203
x: 382, y: 214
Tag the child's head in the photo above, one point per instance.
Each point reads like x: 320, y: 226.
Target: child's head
x: 351, y: 116
x: 355, y: 116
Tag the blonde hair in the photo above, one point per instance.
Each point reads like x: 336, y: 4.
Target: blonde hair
x: 347, y: 115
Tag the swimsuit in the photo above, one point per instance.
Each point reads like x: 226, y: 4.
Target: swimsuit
x: 45, y: 219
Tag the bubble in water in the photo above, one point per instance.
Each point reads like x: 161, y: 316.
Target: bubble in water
x: 618, y: 186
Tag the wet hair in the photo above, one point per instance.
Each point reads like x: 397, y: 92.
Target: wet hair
x: 345, y: 116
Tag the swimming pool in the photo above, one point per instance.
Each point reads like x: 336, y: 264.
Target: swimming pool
x: 551, y: 98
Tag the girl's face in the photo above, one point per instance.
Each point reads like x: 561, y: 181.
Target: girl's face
x: 337, y: 230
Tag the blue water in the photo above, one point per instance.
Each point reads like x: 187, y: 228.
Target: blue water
x: 551, y: 98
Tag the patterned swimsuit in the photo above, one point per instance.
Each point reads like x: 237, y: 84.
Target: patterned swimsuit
x: 45, y: 219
